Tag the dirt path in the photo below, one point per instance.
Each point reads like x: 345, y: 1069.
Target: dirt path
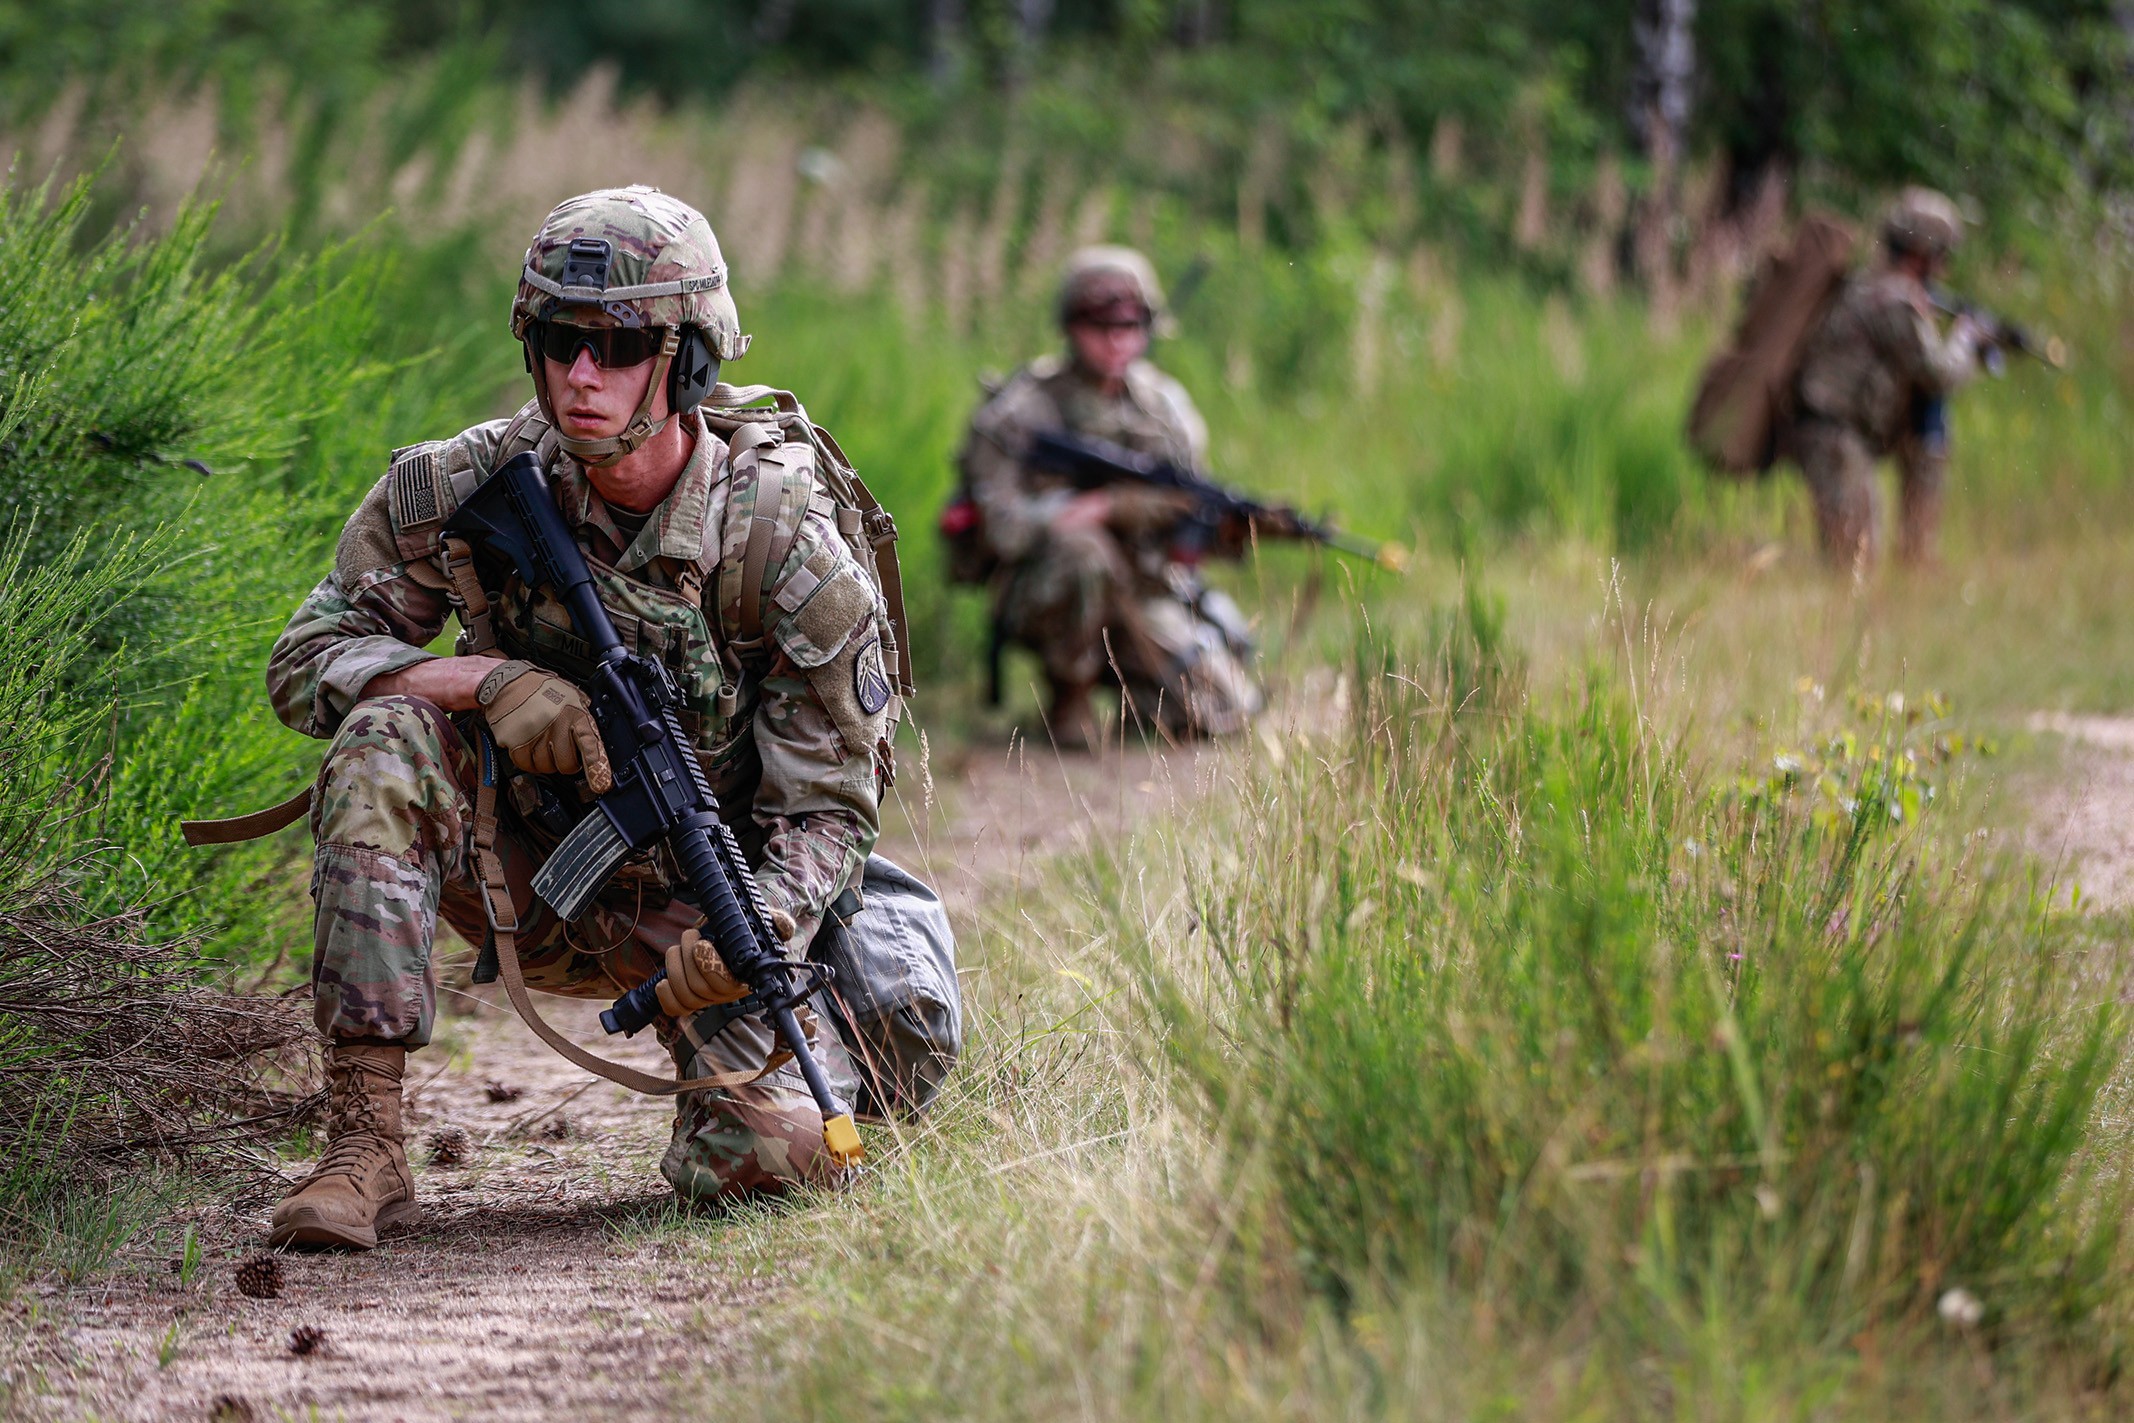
x: 551, y: 1276
x: 2083, y: 823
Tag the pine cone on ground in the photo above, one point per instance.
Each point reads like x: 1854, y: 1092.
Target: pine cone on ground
x: 231, y: 1408
x: 556, y: 1128
x: 450, y: 1146
x: 306, y: 1339
x: 260, y: 1277
x: 504, y: 1092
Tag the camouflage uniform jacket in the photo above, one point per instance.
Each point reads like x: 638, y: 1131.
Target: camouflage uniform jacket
x: 781, y: 726
x: 1154, y: 416
x: 1876, y: 353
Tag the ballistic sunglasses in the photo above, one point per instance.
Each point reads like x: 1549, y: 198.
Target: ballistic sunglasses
x: 613, y: 347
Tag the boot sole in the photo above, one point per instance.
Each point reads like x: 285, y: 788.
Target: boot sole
x: 312, y: 1233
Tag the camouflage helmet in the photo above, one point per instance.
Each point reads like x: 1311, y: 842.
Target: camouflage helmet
x: 1112, y: 284
x: 664, y: 267
x: 1924, y: 222
x: 638, y: 258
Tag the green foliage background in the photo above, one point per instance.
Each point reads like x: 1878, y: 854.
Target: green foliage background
x: 1480, y: 404
x: 2017, y: 102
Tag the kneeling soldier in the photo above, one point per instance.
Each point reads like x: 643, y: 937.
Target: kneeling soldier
x: 1091, y: 580
x: 723, y: 562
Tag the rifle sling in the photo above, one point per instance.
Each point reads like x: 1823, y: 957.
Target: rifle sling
x: 503, y: 930
x: 258, y: 824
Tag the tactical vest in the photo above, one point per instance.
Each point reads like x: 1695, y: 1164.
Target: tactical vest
x: 790, y: 467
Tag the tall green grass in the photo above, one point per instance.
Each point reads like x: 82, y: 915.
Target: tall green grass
x: 1490, y: 1054
x: 1516, y: 1001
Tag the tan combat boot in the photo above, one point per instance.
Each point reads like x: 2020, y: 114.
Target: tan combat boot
x: 362, y: 1182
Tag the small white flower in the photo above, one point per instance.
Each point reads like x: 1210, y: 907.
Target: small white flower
x: 1961, y: 1307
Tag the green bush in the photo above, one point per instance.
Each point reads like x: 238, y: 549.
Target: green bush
x: 1519, y: 1005
x: 233, y: 415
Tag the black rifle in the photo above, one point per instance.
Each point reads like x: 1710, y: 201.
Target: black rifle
x: 2000, y: 335
x: 660, y: 794
x: 1092, y: 464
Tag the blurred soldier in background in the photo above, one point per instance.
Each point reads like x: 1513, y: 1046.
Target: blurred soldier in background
x: 1875, y: 380
x: 1092, y: 580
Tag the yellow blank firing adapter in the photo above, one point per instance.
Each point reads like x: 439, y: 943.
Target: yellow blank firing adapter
x: 1393, y: 558
x: 843, y: 1140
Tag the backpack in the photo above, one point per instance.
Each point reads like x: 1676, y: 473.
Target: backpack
x: 970, y: 558
x: 1745, y: 395
x: 736, y: 415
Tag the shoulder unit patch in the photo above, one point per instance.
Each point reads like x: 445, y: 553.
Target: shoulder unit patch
x: 870, y: 680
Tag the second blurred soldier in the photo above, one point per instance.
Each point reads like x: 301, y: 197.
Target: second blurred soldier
x: 1089, y: 579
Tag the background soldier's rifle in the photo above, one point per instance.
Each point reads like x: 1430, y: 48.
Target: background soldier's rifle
x: 1092, y: 464
x: 1999, y: 334
x: 660, y: 794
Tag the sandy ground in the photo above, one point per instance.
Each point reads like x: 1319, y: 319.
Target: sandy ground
x: 550, y: 1276
x: 2083, y: 824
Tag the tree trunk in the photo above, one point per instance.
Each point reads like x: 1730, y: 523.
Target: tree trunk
x: 1032, y: 19
x: 1667, y: 65
x: 944, y: 41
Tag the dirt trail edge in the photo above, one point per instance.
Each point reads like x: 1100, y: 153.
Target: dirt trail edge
x: 2083, y: 824
x: 546, y: 1279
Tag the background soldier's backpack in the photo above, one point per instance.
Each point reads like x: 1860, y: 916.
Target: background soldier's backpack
x: 1745, y: 395
x: 970, y: 559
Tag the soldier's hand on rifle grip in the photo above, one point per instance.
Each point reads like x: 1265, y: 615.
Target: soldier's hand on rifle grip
x: 544, y: 724
x: 1088, y: 510
x: 697, y: 977
x: 1140, y: 512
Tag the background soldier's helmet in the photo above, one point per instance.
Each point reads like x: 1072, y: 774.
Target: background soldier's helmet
x: 1922, y: 221
x: 631, y: 257
x: 1111, y: 285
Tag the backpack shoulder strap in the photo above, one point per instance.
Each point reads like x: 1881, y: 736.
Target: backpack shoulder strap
x: 766, y: 503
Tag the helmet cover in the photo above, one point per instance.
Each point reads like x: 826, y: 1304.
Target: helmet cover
x: 664, y: 268
x: 1923, y: 221
x: 1112, y: 284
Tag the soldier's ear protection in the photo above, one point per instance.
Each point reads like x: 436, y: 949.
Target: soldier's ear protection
x: 693, y: 372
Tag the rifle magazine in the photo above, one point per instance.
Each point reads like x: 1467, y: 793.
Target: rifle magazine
x: 570, y: 877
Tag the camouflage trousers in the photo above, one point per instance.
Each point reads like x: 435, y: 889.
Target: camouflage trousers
x: 1079, y: 603
x: 1839, y: 466
x: 394, y: 822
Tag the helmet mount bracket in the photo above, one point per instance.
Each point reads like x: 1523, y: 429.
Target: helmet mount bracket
x: 585, y: 263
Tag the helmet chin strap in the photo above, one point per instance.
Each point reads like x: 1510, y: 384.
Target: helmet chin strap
x: 613, y: 449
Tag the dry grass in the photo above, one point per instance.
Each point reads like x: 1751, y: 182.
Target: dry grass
x: 116, y: 1052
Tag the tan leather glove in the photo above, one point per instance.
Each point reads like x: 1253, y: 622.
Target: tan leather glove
x: 697, y: 977
x: 544, y: 724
